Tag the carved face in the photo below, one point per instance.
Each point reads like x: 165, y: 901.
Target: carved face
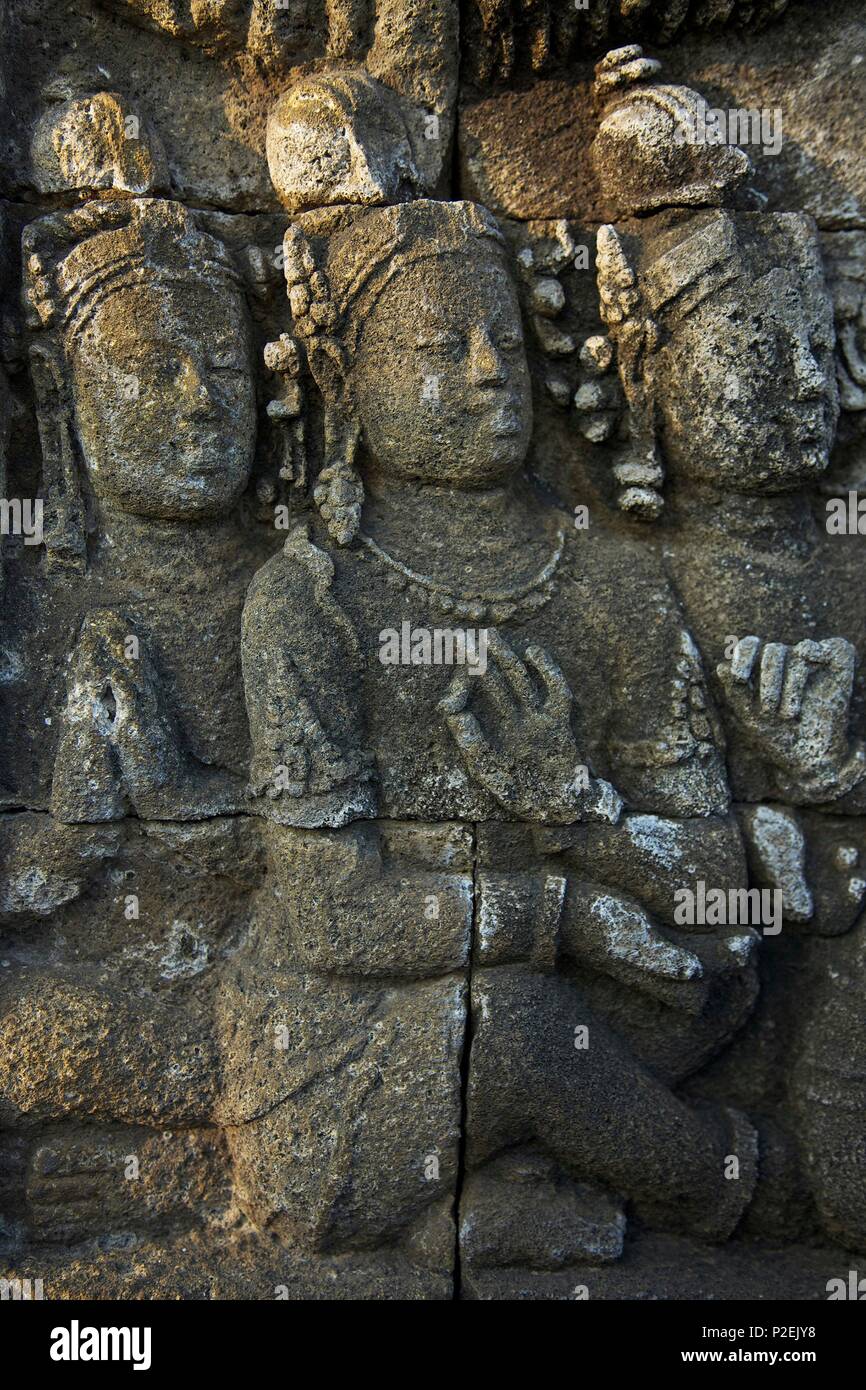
x: 747, y: 388
x: 164, y: 399
x: 440, y: 376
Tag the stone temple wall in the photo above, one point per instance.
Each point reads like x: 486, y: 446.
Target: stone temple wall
x: 433, y: 737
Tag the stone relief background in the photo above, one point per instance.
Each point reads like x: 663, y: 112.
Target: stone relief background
x: 331, y: 976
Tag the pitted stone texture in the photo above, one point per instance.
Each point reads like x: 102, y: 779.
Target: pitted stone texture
x: 414, y: 594
x: 204, y: 78
x: 121, y: 1181
x: 97, y: 145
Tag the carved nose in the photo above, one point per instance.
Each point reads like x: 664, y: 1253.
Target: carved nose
x: 808, y: 376
x: 487, y: 366
x: 194, y: 386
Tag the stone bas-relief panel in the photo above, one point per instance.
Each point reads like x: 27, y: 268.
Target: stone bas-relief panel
x: 433, y: 836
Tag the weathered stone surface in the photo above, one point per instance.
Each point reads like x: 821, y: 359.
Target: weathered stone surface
x: 204, y: 79
x: 524, y: 148
x: 432, y: 750
x: 524, y: 153
x: 97, y: 144
x: 506, y: 39
x: 663, y: 1267
x: 123, y: 1181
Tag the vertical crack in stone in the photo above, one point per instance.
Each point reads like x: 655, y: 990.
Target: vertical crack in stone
x: 464, y: 1072
x: 264, y: 437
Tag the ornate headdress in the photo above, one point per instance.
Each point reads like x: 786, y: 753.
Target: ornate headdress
x: 74, y: 259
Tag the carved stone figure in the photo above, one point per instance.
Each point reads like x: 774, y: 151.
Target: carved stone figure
x: 433, y: 764
x: 147, y: 417
x: 725, y: 349
x: 146, y: 402
x: 425, y: 510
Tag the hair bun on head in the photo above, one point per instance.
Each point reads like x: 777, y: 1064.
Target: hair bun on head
x: 645, y: 154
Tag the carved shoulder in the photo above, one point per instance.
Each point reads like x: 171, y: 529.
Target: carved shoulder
x: 302, y: 664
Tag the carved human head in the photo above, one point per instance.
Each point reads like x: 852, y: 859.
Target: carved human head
x: 143, y: 345
x: 413, y: 333
x: 725, y: 346
x: 722, y: 326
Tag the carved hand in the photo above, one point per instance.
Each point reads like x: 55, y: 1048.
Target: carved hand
x: 615, y: 935
x: 119, y: 701
x: 794, y: 701
x: 533, y: 767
